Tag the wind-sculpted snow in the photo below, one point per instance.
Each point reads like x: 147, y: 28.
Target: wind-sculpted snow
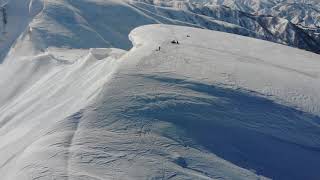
x: 39, y: 92
x: 107, y: 23
x: 214, y: 106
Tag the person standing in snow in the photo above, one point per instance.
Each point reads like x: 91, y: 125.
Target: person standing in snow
x: 29, y: 32
x: 4, y: 18
x: 4, y: 15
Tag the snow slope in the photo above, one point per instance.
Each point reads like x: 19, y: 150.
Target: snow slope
x: 216, y: 106
x: 107, y: 23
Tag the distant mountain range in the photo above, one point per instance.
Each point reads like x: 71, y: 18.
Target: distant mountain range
x: 100, y: 89
x: 294, y: 23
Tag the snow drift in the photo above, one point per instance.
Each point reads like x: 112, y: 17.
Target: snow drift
x: 216, y: 106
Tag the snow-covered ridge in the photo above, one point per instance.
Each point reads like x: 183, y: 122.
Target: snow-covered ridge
x: 75, y: 105
x: 285, y: 22
x: 212, y: 107
x: 65, y: 23
x: 305, y: 12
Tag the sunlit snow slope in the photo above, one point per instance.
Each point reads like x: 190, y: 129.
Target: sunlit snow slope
x: 216, y: 106
x: 107, y: 23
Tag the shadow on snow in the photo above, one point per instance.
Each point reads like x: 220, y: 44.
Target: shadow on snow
x: 241, y: 127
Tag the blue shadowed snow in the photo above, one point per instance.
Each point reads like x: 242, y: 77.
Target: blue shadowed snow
x: 252, y: 132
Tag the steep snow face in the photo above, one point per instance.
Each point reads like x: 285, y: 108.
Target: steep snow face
x: 214, y: 106
x: 85, y: 24
x: 72, y: 24
x: 37, y: 94
x: 15, y: 15
x: 107, y: 23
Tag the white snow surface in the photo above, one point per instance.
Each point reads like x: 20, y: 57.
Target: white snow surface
x: 107, y: 23
x: 216, y: 106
